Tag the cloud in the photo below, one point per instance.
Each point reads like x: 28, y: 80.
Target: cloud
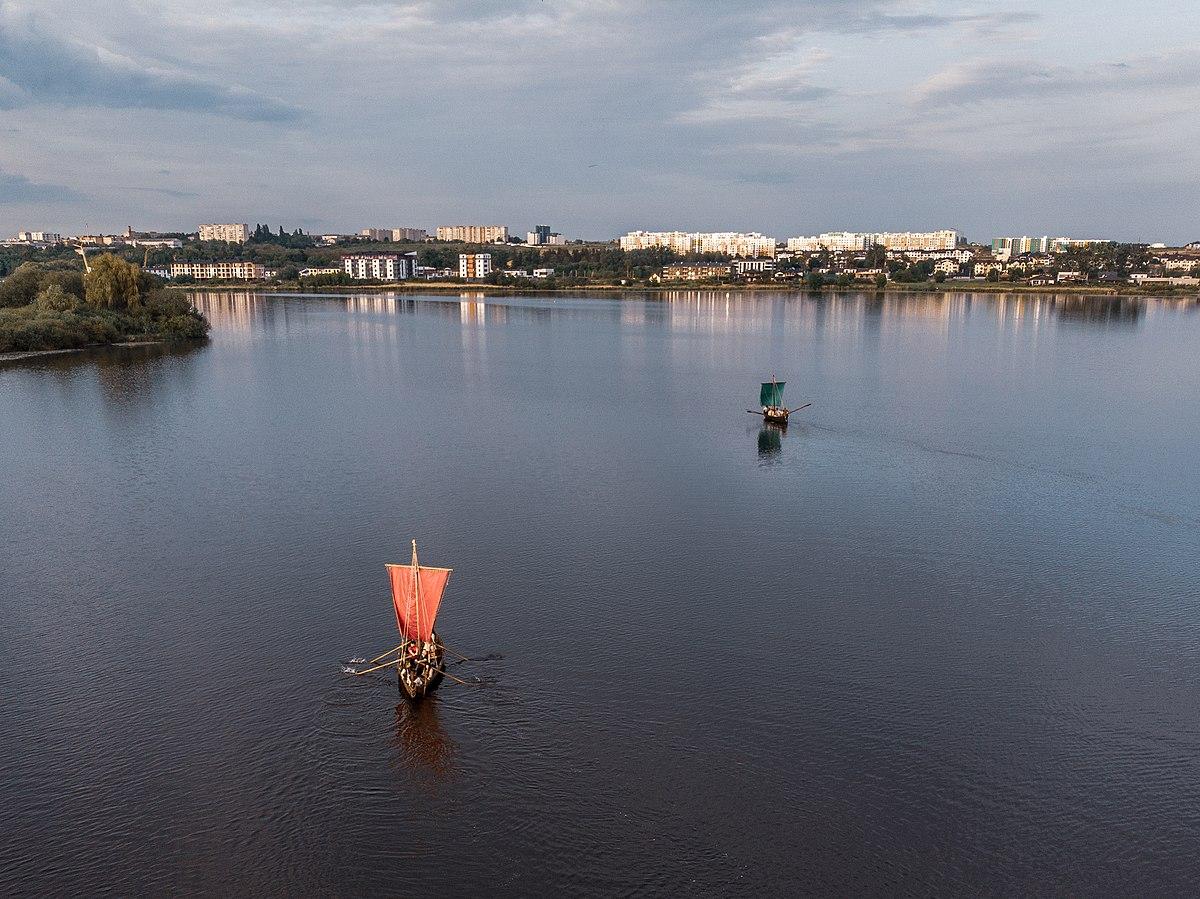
x: 771, y: 85
x: 982, y: 80
x: 36, y: 68
x: 19, y: 189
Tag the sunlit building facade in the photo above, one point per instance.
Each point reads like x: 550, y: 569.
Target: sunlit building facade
x: 724, y: 243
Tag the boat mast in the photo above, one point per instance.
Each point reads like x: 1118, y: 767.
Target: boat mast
x: 416, y: 587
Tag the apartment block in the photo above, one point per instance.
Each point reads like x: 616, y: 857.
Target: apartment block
x: 473, y: 233
x: 227, y: 233
x: 380, y: 266
x: 694, y: 272
x: 219, y: 271
x: 474, y: 265
x: 724, y: 243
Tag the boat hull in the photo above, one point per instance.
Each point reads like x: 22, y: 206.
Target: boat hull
x: 419, y: 677
x: 776, y: 416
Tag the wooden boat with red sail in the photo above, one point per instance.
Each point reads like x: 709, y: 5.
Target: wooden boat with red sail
x: 416, y: 595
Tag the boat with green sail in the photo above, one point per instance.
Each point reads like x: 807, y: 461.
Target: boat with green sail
x: 770, y: 397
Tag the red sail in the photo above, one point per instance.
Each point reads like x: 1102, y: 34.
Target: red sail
x: 416, y: 609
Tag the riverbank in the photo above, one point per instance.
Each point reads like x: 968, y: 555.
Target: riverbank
x: 37, y: 354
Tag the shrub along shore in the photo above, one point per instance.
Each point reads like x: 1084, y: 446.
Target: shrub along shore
x: 43, y: 307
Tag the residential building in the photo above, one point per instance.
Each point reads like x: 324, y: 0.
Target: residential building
x: 46, y: 237
x: 1005, y: 248
x: 380, y: 266
x: 948, y: 267
x: 1070, y: 277
x: 724, y: 243
x: 409, y: 235
x: 474, y: 265
x: 946, y: 239
x: 157, y: 243
x: 754, y: 266
x: 1184, y: 281
x: 543, y: 273
x: 219, y: 271
x: 394, y: 235
x: 227, y: 233
x: 473, y: 233
x: 539, y: 236
x: 701, y: 271
x: 804, y: 244
x: 317, y: 272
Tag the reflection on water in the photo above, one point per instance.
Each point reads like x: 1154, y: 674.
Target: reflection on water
x: 719, y: 311
x: 770, y: 442
x: 425, y: 749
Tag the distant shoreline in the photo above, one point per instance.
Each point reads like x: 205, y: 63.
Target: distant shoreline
x: 505, y: 289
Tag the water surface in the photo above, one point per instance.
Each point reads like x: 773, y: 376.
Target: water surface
x: 941, y: 635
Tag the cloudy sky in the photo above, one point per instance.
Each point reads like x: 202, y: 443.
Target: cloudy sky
x: 1067, y: 117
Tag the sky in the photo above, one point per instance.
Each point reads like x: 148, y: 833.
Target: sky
x: 1058, y: 117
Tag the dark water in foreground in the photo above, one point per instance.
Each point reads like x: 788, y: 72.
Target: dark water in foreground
x: 944, y: 635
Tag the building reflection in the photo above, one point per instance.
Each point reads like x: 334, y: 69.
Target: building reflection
x: 233, y: 310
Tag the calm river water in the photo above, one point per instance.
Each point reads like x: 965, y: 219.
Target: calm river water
x: 941, y: 636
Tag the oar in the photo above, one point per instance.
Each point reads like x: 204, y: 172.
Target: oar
x: 376, y: 668
x: 385, y: 654
x: 798, y: 408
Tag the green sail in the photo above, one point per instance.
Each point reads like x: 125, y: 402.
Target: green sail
x: 771, y: 393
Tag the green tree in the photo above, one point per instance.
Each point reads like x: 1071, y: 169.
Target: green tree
x: 881, y: 281
x: 53, y: 298
x: 22, y: 286
x: 993, y: 276
x: 114, y: 283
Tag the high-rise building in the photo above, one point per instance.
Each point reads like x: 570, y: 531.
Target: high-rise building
x: 474, y: 265
x: 539, y: 236
x: 39, y: 237
x: 409, y: 235
x: 724, y: 243
x: 380, y: 266
x: 473, y: 233
x: 227, y: 233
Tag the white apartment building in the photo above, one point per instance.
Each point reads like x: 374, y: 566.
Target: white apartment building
x: 39, y: 237
x: 473, y: 233
x: 474, y: 265
x: 918, y: 240
x: 725, y: 243
x: 219, y: 271
x: 804, y: 244
x: 227, y: 233
x: 380, y: 266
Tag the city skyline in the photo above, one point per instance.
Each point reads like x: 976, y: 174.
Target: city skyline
x: 792, y: 119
